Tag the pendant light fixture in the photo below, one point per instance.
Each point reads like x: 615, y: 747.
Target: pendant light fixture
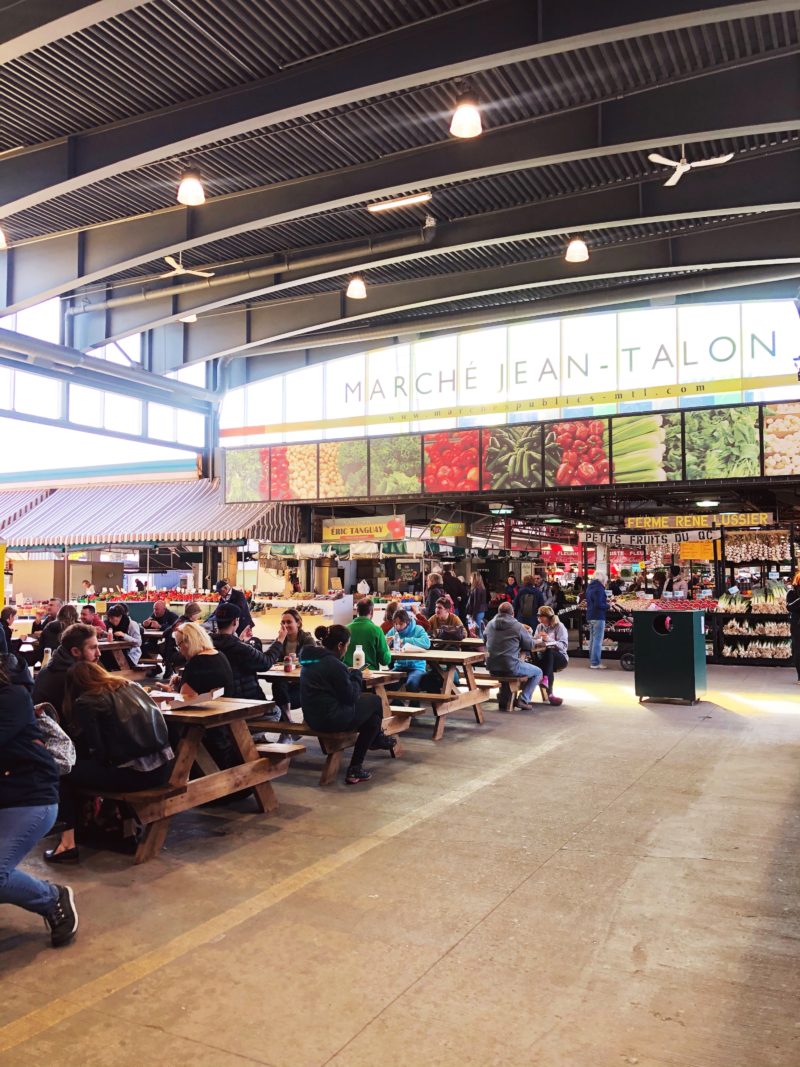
x: 190, y: 189
x: 3, y: 241
x: 357, y: 290
x: 576, y: 252
x: 466, y: 120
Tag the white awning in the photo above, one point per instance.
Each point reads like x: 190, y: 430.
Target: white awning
x: 14, y: 503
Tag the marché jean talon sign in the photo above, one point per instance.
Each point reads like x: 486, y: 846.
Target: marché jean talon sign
x: 582, y: 361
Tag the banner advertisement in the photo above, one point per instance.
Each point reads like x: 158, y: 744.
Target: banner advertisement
x: 648, y: 540
x: 704, y: 521
x: 448, y: 529
x: 699, y: 550
x: 376, y: 528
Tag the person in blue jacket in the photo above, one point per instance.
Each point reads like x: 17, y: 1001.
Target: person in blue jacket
x: 409, y: 632
x: 333, y: 701
x: 528, y: 601
x: 28, y: 808
x: 596, y: 609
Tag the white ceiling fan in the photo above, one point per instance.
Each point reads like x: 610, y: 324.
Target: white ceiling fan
x: 682, y: 167
x: 178, y: 268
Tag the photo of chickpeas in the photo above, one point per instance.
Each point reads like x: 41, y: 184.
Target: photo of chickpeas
x: 302, y: 462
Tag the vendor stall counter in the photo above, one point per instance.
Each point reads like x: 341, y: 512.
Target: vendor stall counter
x: 314, y: 611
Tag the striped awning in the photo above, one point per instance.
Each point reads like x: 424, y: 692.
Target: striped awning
x: 139, y: 514
x: 14, y: 503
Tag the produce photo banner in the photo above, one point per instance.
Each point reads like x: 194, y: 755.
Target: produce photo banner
x: 698, y: 444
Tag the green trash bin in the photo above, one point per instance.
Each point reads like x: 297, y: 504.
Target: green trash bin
x: 670, y: 653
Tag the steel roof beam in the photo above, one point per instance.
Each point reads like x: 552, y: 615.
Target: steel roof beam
x: 757, y: 184
x: 775, y: 241
x: 489, y: 34
x: 761, y: 99
x: 26, y: 25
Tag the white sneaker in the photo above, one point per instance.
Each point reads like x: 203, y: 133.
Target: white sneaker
x: 597, y: 667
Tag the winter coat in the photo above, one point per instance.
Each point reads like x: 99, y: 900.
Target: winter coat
x: 477, y: 601
x: 527, y: 603
x: 431, y: 596
x: 28, y: 773
x: 329, y: 689
x: 793, y: 606
x: 51, y: 680
x: 505, y: 637
x: 596, y: 600
x: 245, y: 663
x: 414, y: 635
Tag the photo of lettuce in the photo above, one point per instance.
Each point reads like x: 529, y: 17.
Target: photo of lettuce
x: 395, y: 466
x: 722, y: 443
x: 246, y: 475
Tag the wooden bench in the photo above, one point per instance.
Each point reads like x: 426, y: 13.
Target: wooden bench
x: 332, y: 744
x: 508, y: 684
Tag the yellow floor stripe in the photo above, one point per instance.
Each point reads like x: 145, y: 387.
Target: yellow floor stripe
x: 91, y: 993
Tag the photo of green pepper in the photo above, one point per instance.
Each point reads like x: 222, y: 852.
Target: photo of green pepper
x: 512, y: 457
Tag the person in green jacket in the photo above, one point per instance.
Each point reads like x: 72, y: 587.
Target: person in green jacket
x: 364, y: 632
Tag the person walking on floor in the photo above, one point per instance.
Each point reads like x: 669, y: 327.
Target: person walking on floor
x: 596, y: 610
x: 793, y: 606
x: 477, y: 601
x: 28, y: 808
x: 333, y: 701
x: 506, y: 639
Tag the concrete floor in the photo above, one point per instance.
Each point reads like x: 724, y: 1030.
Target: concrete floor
x: 598, y: 885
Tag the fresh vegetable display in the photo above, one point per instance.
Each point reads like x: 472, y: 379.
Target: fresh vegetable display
x: 782, y: 439
x: 342, y: 469
x: 293, y: 472
x: 771, y: 600
x: 246, y: 475
x: 451, y: 461
x: 757, y: 544
x: 576, y: 453
x: 395, y: 466
x: 512, y: 457
x: 647, y: 448
x: 722, y: 443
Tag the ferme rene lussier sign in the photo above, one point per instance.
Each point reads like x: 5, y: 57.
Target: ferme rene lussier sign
x: 586, y: 360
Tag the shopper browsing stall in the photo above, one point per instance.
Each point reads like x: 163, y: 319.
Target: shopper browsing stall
x: 596, y: 610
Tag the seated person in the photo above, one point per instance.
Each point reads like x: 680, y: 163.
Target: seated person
x: 245, y: 660
x: 7, y: 616
x: 506, y: 638
x: 111, y: 756
x: 206, y: 670
x: 409, y: 632
x: 550, y: 640
x: 78, y: 643
x: 162, y: 621
x: 191, y: 613
x: 364, y: 632
x: 51, y: 634
x: 445, y: 626
x: 333, y: 701
x: 91, y: 618
x: 54, y: 605
x: 286, y: 694
x: 121, y: 625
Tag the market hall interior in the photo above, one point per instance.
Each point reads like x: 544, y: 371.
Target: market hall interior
x: 399, y: 533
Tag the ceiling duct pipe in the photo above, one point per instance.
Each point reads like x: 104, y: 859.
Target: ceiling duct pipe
x: 301, y: 260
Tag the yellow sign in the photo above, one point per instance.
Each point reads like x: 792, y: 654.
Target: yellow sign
x: 377, y: 528
x: 704, y: 521
x: 698, y: 550
x: 448, y: 529
x: 543, y: 403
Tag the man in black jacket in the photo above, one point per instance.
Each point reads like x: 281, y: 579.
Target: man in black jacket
x: 235, y: 597
x: 78, y: 642
x: 245, y: 660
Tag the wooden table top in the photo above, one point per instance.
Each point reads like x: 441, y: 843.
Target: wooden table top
x: 119, y: 642
x: 441, y: 655
x: 467, y: 644
x: 372, y: 678
x: 216, y: 711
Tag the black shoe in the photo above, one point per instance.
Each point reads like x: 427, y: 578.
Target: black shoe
x: 523, y: 704
x: 382, y: 743
x: 357, y: 775
x: 68, y: 855
x: 63, y: 919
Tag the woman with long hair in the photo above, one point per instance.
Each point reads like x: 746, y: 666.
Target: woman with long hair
x: 793, y: 606
x: 333, y: 701
x: 28, y: 808
x: 551, y: 642
x: 121, y: 740
x: 287, y: 694
x: 51, y: 635
x: 206, y: 668
x: 477, y: 601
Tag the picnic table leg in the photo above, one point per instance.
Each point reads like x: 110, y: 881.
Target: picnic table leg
x: 333, y: 761
x: 155, y: 834
x: 448, y: 687
x: 473, y: 687
x: 264, y: 793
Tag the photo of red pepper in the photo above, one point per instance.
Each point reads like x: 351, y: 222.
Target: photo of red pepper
x: 451, y: 461
x: 279, y: 470
x: 576, y: 453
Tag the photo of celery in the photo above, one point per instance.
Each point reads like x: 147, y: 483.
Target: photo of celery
x: 646, y: 448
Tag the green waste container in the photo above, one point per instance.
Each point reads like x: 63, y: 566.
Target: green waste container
x: 670, y: 653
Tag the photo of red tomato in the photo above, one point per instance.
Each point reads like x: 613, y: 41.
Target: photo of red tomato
x: 452, y: 461
x: 576, y: 453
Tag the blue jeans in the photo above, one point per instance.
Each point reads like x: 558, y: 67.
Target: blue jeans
x: 479, y: 621
x: 20, y: 829
x: 413, y: 680
x: 597, y: 628
x: 522, y: 669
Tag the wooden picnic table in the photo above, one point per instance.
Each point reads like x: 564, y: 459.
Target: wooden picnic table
x: 447, y: 663
x: 117, y: 648
x: 156, y: 807
x: 395, y: 720
x: 463, y: 644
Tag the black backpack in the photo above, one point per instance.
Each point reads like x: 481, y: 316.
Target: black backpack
x: 527, y: 605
